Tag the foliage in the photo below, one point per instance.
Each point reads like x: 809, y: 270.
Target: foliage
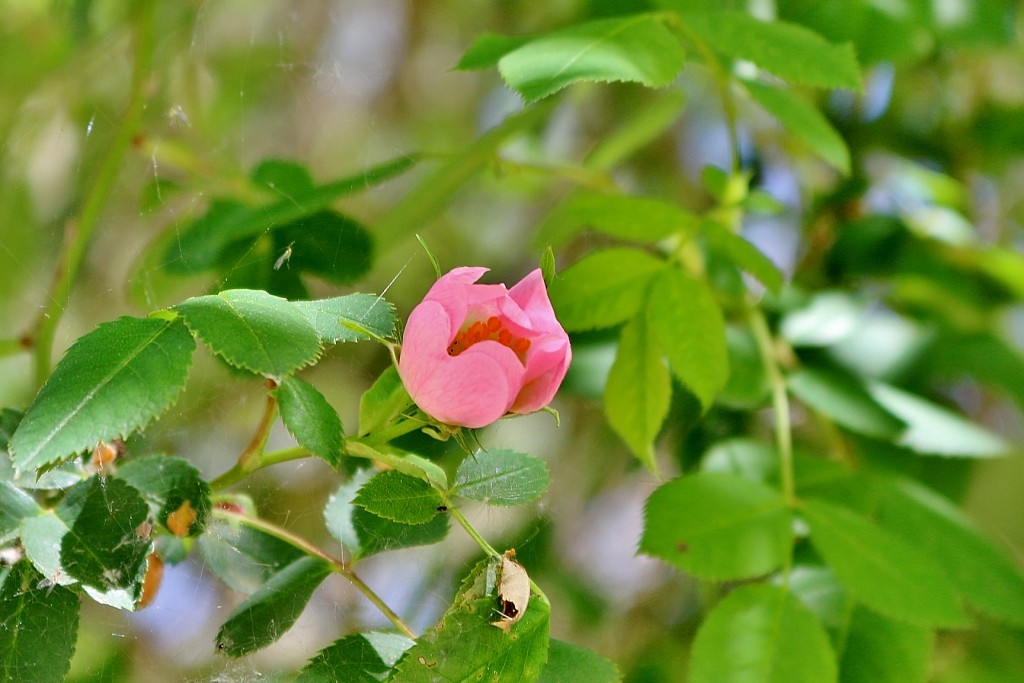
x: 817, y: 432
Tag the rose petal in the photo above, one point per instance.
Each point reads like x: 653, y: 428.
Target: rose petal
x: 472, y: 389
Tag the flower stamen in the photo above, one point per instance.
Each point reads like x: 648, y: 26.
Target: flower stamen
x: 490, y: 330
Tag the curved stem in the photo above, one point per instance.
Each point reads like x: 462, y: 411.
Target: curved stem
x: 81, y: 228
x: 780, y: 400
x: 721, y: 83
x: 456, y: 513
x: 9, y: 347
x: 250, y: 459
x: 336, y: 565
x: 390, y: 432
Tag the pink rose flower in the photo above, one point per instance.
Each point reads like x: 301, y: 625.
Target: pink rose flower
x: 472, y: 353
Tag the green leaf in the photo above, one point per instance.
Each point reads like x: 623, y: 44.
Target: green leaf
x: 804, y: 121
x: 400, y: 498
x: 465, y: 648
x: 253, y: 330
x: 310, y: 419
x: 568, y: 663
x: 742, y: 457
x: 743, y: 254
x: 637, y: 393
x: 328, y: 244
x: 201, y: 245
x: 786, y: 50
x: 242, y: 557
x: 39, y: 628
x: 271, y: 610
x: 636, y: 48
x: 177, y: 495
x: 112, y: 381
x: 363, y: 533
x: 105, y: 546
x: 881, y: 570
x: 9, y: 420
x: 935, y: 430
x: 845, y: 400
x: 15, y: 505
x: 282, y: 176
x: 718, y: 526
x: 384, y: 401
x: 882, y: 650
x: 487, y: 49
x: 987, y: 578
x: 360, y: 658
x: 501, y: 477
x: 352, y: 317
x: 41, y: 537
x: 632, y: 218
x: 761, y: 633
x: 604, y: 288
x: 687, y: 322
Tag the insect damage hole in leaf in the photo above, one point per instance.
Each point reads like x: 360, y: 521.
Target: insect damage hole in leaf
x: 513, y: 591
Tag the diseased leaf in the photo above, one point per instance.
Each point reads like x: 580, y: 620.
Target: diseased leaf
x: 105, y: 546
x: 604, y: 288
x: 635, y: 48
x: 253, y: 330
x: 242, y: 557
x: 718, y: 526
x: 501, y: 477
x: 789, y: 51
x: 761, y: 633
x: 40, y: 537
x: 632, y: 218
x: 363, y: 533
x: 111, y: 382
x: 310, y: 419
x: 38, y: 628
x: 352, y: 317
x: 568, y: 663
x: 687, y: 322
x: 804, y: 121
x: 384, y: 401
x: 271, y: 610
x: 178, y: 496
x: 845, y: 400
x: 881, y: 570
x: 360, y: 658
x: 465, y: 647
x: 637, y: 393
x: 400, y: 498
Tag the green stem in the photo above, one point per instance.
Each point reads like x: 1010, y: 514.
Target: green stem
x: 722, y: 81
x: 390, y: 432
x: 250, y: 459
x: 780, y: 400
x: 9, y: 347
x: 336, y: 565
x: 473, y: 533
x: 81, y: 228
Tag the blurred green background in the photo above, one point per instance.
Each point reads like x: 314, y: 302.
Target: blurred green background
x: 937, y: 140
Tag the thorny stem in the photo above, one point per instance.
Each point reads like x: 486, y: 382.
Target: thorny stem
x: 337, y: 566
x: 250, y: 459
x: 81, y: 228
